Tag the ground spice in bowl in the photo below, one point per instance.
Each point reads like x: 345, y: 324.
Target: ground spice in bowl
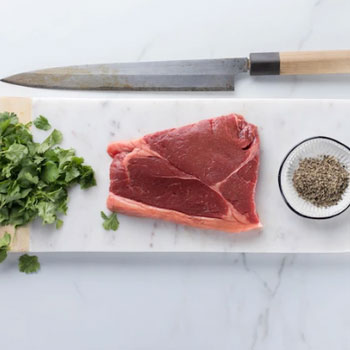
x: 321, y: 181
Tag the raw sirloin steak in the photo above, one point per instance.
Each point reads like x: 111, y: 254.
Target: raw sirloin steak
x: 202, y: 175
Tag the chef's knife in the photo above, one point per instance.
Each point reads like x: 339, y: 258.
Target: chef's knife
x: 196, y: 75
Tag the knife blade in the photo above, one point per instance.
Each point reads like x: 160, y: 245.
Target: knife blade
x: 216, y: 74
x: 189, y: 75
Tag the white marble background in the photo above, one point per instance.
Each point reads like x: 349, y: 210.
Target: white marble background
x: 147, y: 301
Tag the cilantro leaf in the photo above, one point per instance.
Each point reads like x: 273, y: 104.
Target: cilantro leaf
x: 35, y: 177
x: 26, y: 177
x: 47, y: 211
x: 59, y: 223
x: 42, y: 123
x: 28, y: 263
x: 16, y: 152
x: 4, y: 246
x: 3, y: 254
x: 65, y: 157
x: 4, y: 186
x: 50, y: 172
x: 53, y: 139
x: 6, y: 120
x: 5, y: 240
x: 87, y: 178
x: 110, y: 222
x: 72, y: 174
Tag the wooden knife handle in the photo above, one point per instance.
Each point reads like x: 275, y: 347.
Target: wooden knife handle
x: 303, y: 62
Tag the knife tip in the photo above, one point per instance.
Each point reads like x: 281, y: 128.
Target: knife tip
x: 6, y: 80
x: 13, y: 79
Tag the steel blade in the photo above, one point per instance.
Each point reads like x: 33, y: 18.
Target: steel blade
x: 201, y: 75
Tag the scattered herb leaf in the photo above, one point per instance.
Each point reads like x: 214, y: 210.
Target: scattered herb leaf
x: 28, y: 263
x: 110, y: 222
x: 42, y: 123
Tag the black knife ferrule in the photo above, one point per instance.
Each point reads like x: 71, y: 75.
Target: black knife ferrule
x: 265, y: 63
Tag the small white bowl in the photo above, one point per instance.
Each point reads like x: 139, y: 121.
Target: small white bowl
x: 312, y: 148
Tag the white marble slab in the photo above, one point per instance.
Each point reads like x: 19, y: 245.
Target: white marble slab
x: 88, y: 125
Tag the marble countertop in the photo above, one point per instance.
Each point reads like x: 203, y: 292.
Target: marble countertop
x: 173, y: 301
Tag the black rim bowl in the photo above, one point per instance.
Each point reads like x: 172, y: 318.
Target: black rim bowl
x: 280, y: 172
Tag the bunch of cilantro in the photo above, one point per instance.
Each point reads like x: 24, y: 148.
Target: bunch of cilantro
x: 35, y: 177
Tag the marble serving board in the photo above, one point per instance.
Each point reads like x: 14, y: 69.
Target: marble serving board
x: 88, y: 125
